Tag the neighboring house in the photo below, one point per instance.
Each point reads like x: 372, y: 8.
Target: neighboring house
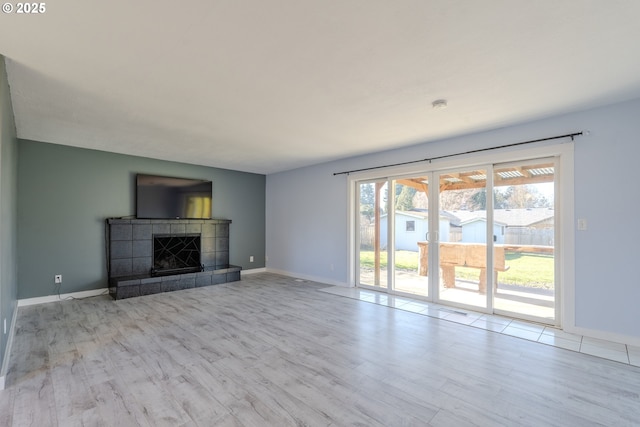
x: 511, y: 226
x: 475, y: 231
x: 411, y: 228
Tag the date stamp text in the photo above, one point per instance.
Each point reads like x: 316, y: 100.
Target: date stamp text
x: 24, y: 8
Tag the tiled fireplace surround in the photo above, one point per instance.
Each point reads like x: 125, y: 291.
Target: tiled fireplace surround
x: 130, y: 255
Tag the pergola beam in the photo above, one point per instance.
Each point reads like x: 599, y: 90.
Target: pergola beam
x: 468, y: 183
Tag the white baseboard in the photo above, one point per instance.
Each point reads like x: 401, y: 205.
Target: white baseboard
x: 7, y: 352
x: 254, y: 271
x: 62, y: 297
x: 307, y: 277
x: 603, y: 335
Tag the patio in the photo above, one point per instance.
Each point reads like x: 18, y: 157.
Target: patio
x: 526, y: 301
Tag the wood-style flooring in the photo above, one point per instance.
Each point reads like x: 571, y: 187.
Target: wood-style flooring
x: 271, y: 351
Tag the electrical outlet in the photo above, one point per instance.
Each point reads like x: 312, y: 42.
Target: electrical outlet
x: 57, y: 279
x: 251, y: 258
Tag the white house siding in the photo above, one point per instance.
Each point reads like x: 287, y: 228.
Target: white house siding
x: 408, y: 240
x: 476, y: 232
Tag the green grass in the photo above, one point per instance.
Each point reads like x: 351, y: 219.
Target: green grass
x: 533, y: 270
x: 405, y: 260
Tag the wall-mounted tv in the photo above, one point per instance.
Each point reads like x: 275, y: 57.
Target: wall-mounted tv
x: 164, y: 197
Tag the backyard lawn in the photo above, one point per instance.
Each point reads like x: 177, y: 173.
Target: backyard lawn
x: 532, y: 270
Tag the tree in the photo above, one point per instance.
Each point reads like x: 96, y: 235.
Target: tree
x: 404, y: 197
x: 367, y: 200
x: 478, y: 200
x: 420, y: 200
x: 525, y: 197
x: 367, y: 194
x: 453, y: 200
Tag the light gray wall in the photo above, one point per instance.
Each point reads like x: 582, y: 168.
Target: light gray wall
x: 307, y: 223
x: 8, y: 211
x: 65, y: 194
x: 307, y: 210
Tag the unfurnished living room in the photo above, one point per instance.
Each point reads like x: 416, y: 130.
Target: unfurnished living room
x: 319, y: 213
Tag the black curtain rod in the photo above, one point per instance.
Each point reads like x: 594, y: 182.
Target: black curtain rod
x: 569, y: 135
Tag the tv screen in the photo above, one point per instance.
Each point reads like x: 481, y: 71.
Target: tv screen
x: 163, y: 197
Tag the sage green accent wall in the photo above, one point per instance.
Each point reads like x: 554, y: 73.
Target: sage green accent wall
x: 66, y: 193
x: 8, y: 212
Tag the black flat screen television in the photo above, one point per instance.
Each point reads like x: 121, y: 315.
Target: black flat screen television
x: 164, y: 197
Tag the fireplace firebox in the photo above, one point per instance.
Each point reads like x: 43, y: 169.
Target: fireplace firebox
x: 176, y: 254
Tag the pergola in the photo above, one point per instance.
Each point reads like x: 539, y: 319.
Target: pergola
x: 503, y: 176
x: 520, y: 175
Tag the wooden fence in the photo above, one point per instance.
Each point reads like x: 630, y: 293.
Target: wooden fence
x: 529, y: 236
x: 367, y: 234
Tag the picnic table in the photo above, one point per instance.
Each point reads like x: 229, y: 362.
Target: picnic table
x: 459, y: 254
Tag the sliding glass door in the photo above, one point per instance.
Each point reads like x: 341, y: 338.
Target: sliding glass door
x: 481, y: 238
x: 372, y: 233
x: 411, y: 233
x: 462, y: 251
x: 524, y: 218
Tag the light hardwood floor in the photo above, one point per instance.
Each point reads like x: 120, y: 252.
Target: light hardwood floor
x: 270, y: 351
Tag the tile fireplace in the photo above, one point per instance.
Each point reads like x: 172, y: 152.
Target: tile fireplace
x: 151, y: 256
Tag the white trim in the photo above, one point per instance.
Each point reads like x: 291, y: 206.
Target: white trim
x: 310, y: 278
x: 564, y: 151
x: 564, y: 199
x: 254, y: 271
x: 489, y: 229
x: 607, y: 336
x: 353, y: 236
x: 7, y: 351
x: 391, y: 234
x: 61, y: 297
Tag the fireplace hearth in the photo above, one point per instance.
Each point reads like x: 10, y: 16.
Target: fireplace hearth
x: 151, y: 256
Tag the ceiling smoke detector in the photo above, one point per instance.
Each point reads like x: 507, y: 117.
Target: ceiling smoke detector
x: 439, y: 104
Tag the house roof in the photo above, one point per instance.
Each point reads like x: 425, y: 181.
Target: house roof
x: 508, y: 217
x: 270, y: 86
x: 412, y: 214
x: 478, y: 219
x: 417, y: 214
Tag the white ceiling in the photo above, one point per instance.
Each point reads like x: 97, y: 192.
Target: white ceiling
x: 266, y: 86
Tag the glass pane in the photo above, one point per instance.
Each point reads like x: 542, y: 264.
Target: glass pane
x: 524, y: 203
x: 372, y: 254
x: 463, y: 237
x: 411, y: 227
